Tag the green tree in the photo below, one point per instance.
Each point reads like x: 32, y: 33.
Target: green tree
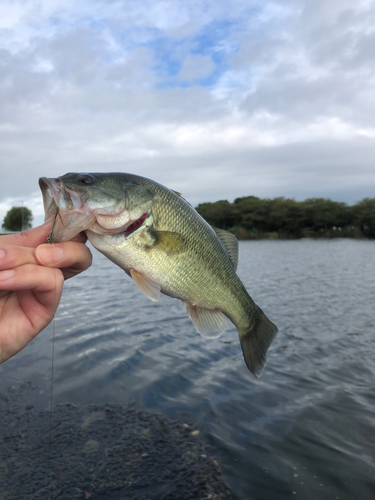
x: 286, y: 217
x: 220, y: 214
x: 364, y: 216
x: 17, y: 219
x: 250, y: 217
x: 254, y: 212
x: 323, y: 214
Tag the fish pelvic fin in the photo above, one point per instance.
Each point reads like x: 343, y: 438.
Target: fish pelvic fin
x: 209, y: 323
x: 256, y: 341
x: 147, y: 286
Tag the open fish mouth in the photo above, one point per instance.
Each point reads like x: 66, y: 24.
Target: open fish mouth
x: 73, y: 215
x: 57, y: 196
x: 50, y: 201
x: 66, y: 206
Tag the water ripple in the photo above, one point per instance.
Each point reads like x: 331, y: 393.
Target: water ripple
x: 305, y: 429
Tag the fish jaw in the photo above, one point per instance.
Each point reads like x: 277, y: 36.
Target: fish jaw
x: 71, y: 213
x: 76, y: 210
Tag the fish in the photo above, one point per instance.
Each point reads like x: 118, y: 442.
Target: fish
x: 165, y: 246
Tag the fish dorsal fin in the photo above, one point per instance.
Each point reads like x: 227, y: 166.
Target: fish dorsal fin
x: 208, y: 322
x: 146, y: 285
x: 231, y: 244
x: 180, y: 195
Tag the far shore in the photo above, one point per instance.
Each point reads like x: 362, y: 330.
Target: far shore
x: 243, y: 234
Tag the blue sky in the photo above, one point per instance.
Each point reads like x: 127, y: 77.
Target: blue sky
x: 216, y: 100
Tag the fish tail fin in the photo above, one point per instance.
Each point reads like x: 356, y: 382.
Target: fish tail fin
x: 256, y: 341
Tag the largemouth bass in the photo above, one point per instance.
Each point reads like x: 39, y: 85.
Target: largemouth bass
x: 165, y: 246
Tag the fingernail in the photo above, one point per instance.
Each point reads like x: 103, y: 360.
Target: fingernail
x: 2, y: 254
x: 5, y: 275
x: 49, y: 254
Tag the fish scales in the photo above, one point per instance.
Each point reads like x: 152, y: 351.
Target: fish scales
x: 160, y: 240
x: 202, y: 284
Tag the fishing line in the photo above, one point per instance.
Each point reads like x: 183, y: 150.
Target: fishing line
x: 51, y: 404
x: 52, y: 372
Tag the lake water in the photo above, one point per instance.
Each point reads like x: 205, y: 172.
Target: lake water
x: 304, y: 430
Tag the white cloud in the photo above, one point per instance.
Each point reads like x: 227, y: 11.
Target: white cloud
x: 196, y: 68
x: 265, y: 98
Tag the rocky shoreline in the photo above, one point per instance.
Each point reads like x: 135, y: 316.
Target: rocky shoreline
x: 102, y: 452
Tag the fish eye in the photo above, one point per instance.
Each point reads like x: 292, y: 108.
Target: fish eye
x: 86, y: 179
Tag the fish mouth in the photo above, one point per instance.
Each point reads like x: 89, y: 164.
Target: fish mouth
x: 57, y: 196
x: 69, y: 210
x: 50, y: 199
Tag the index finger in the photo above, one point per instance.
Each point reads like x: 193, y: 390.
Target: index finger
x: 30, y: 238
x: 15, y: 256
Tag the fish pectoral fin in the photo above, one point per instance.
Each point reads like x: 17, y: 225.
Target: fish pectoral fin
x: 146, y: 285
x: 169, y: 242
x: 208, y: 322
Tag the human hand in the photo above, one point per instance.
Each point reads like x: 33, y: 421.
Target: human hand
x: 32, y: 274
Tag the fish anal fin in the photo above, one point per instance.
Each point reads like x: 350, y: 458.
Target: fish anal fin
x: 208, y: 322
x: 231, y: 244
x: 146, y: 285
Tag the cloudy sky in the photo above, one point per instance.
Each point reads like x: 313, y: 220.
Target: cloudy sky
x: 212, y: 98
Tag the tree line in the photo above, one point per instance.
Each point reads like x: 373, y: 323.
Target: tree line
x: 252, y: 218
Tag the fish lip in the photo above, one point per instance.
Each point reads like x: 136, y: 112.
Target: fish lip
x: 53, y: 189
x: 50, y: 196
